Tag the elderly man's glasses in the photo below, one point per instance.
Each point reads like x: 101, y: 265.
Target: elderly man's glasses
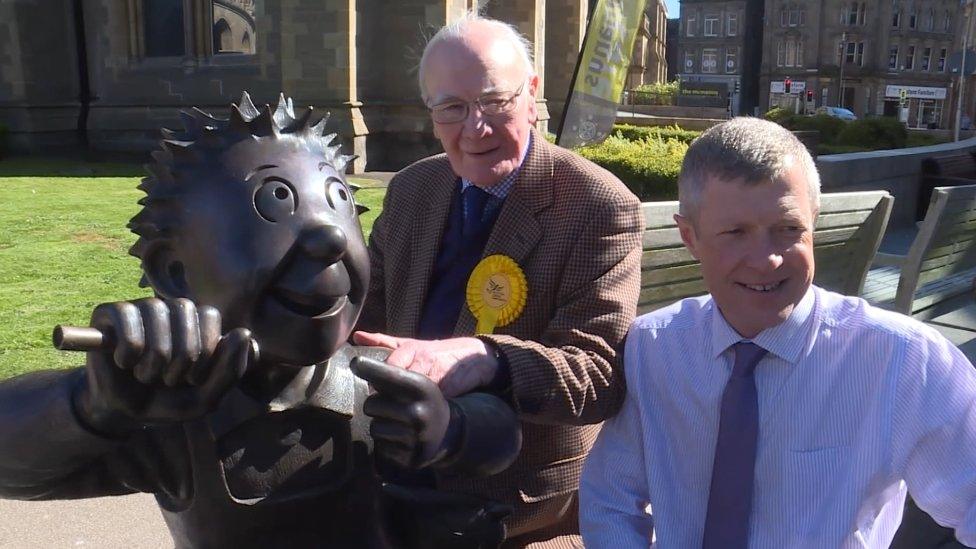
x: 490, y: 104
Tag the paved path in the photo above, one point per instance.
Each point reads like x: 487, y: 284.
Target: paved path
x: 126, y: 522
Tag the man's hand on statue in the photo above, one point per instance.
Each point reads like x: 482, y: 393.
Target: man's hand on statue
x: 168, y: 363
x: 410, y: 415
x: 458, y: 365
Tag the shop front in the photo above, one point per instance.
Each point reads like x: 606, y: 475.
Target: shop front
x: 924, y: 106
x: 790, y: 97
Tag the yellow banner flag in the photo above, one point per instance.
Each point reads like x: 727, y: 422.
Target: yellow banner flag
x: 601, y: 71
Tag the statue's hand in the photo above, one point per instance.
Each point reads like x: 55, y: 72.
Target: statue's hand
x: 411, y: 416
x: 167, y: 363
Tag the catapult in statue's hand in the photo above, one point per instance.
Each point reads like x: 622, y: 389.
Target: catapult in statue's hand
x: 162, y: 361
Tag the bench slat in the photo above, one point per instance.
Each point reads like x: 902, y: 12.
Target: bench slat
x: 846, y: 236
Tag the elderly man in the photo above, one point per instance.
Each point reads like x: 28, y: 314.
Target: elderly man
x: 503, y: 219
x: 772, y: 413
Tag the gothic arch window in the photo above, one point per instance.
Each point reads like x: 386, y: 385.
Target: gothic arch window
x: 223, y: 36
x: 191, y: 28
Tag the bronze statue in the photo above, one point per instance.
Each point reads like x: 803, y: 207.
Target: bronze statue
x: 231, y: 395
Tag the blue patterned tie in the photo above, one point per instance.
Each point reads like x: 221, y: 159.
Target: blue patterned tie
x: 474, y: 198
x: 734, y: 468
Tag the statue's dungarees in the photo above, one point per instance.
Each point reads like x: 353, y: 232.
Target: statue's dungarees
x: 310, y: 482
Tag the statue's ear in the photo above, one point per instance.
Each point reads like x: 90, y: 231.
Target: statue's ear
x: 164, y: 272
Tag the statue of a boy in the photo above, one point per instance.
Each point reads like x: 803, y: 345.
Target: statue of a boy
x: 230, y: 394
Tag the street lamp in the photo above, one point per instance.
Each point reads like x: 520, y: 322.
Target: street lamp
x: 843, y: 61
x: 962, y: 70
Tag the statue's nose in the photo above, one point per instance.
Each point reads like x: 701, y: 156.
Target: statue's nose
x: 324, y: 242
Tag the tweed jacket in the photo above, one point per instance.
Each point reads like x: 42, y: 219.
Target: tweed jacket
x: 575, y: 230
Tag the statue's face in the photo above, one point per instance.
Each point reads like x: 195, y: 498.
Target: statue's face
x: 273, y: 241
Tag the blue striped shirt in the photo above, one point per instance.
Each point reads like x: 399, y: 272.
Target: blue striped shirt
x: 856, y: 405
x: 499, y: 191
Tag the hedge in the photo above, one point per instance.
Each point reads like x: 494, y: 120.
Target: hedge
x: 876, y: 133
x: 648, y: 166
x: 636, y: 133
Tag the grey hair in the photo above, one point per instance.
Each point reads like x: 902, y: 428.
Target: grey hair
x: 751, y: 149
x: 457, y: 29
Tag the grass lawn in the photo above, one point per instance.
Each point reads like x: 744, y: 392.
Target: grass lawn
x: 64, y: 249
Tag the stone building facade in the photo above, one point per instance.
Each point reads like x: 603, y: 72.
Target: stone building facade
x: 860, y: 55
x: 109, y: 73
x: 648, y: 63
x: 965, y: 37
x: 711, y: 44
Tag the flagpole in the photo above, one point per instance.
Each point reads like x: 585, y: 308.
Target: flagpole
x: 579, y: 59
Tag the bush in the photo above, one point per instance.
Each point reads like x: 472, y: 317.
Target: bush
x: 649, y: 166
x: 874, y: 133
x: 778, y: 115
x: 828, y: 126
x: 636, y: 133
x: 654, y: 94
x: 917, y: 139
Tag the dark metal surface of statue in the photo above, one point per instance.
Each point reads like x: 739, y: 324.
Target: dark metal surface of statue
x: 231, y: 394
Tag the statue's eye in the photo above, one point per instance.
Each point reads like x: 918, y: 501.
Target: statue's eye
x: 275, y: 199
x: 339, y: 197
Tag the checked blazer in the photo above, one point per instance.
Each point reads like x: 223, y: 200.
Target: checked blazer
x: 575, y: 230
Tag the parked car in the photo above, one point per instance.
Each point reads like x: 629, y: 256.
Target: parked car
x: 837, y: 112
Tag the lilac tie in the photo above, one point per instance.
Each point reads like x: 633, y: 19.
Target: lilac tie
x: 734, y: 468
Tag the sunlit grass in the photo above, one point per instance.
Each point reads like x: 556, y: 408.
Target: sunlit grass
x: 64, y: 249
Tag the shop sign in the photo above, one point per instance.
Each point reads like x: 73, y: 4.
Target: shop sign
x: 797, y: 86
x: 915, y: 92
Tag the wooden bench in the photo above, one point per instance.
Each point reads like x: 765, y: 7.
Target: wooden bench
x: 941, y: 262
x: 945, y: 171
x: 846, y: 237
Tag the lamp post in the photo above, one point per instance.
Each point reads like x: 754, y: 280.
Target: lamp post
x: 962, y: 71
x: 843, y: 61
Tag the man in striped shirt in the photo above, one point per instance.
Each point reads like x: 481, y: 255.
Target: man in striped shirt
x: 772, y: 413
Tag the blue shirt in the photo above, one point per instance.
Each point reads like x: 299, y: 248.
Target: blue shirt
x: 856, y: 404
x: 499, y: 191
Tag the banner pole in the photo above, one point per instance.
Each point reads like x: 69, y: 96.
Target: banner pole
x: 579, y: 59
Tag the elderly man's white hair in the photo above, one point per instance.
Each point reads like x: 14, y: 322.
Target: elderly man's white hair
x: 458, y: 28
x: 751, y: 149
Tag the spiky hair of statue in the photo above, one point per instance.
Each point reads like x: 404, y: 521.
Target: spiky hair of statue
x: 203, y: 139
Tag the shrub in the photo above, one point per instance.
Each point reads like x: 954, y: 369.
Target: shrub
x: 874, y: 133
x: 636, y: 133
x: 649, y: 166
x: 654, y: 94
x: 778, y: 115
x: 828, y: 126
x: 918, y: 139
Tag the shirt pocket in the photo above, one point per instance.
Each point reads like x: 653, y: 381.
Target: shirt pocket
x: 815, y: 486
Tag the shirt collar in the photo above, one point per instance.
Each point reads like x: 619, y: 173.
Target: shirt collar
x: 501, y: 189
x: 785, y: 340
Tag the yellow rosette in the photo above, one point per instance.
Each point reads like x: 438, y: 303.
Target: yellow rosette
x: 496, y: 292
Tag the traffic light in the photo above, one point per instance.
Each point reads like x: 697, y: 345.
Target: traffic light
x: 809, y: 96
x: 786, y: 85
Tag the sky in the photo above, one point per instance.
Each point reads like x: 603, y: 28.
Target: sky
x: 672, y: 6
